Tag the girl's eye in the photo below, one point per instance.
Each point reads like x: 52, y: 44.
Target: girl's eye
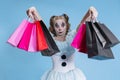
x: 56, y: 25
x: 63, y: 24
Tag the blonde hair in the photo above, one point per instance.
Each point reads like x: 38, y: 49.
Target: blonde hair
x: 52, y: 21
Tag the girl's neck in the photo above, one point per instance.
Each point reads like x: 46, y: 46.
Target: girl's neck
x: 60, y: 38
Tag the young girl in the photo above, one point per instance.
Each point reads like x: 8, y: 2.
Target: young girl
x: 63, y: 62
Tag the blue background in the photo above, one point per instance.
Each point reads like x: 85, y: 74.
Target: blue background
x: 16, y: 64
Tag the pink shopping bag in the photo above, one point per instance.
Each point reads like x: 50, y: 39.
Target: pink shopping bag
x: 33, y: 42
x: 17, y: 35
x: 24, y: 42
x: 79, y: 40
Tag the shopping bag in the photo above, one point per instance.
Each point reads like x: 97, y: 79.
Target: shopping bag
x: 26, y: 37
x: 17, y: 35
x: 41, y: 39
x: 33, y: 42
x: 52, y: 47
x: 79, y: 40
x: 99, y: 35
x: 107, y: 34
x: 24, y: 42
x: 94, y: 48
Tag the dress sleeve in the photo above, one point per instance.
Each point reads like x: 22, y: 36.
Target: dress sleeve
x: 71, y: 34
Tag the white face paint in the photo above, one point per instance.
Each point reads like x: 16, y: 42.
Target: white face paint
x: 60, y: 27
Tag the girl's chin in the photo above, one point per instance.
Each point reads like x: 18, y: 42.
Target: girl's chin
x: 60, y: 35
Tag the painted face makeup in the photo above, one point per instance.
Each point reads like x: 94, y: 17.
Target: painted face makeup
x: 60, y: 27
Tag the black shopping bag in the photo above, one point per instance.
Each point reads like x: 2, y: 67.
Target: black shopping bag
x: 101, y: 38
x: 111, y: 39
x: 52, y: 47
x: 94, y: 48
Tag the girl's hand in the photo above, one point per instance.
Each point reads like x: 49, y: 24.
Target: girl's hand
x: 93, y: 13
x: 30, y: 12
x: 33, y: 13
x: 90, y: 14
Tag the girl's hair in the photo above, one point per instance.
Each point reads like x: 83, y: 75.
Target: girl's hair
x: 52, y: 21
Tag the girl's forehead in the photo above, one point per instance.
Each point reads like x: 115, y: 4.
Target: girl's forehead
x: 60, y: 20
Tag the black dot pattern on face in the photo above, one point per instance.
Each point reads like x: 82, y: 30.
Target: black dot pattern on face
x: 64, y: 64
x: 63, y: 56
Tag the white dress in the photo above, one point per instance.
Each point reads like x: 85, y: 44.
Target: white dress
x: 63, y: 62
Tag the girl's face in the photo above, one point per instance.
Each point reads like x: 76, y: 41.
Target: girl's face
x: 60, y: 27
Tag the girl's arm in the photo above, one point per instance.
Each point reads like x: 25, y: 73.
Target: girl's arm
x: 90, y: 14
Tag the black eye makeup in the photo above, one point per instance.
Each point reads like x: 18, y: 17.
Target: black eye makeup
x: 63, y: 24
x: 56, y: 25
